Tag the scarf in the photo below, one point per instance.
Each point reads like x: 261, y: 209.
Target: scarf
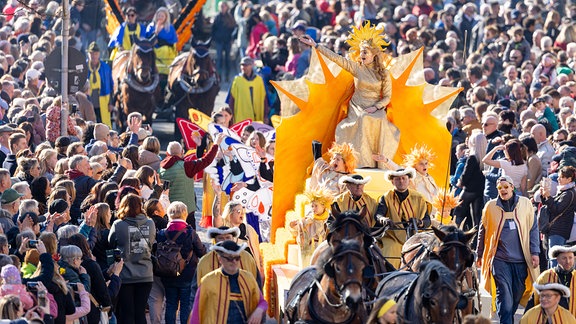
x: 323, y: 216
x: 566, y: 186
x: 95, y: 77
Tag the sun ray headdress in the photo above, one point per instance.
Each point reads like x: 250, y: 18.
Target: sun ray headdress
x: 321, y: 196
x: 348, y: 154
x: 367, y: 36
x: 445, y: 201
x: 417, y: 154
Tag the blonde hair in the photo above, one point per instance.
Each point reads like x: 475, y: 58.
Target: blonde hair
x: 43, y: 157
x: 228, y: 210
x: 321, y: 196
x: 166, y: 26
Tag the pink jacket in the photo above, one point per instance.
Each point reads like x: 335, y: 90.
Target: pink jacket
x: 83, y: 310
x: 53, y: 124
x: 20, y: 291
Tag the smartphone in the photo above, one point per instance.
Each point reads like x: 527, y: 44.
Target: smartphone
x: 74, y: 108
x: 166, y: 185
x: 42, y: 298
x: 32, y: 285
x: 32, y: 244
x: 146, y: 126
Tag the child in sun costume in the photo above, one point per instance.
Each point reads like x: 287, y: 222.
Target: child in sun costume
x: 419, y: 159
x: 366, y: 126
x: 310, y: 231
x: 444, y: 202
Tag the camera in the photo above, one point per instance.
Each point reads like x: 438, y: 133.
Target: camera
x: 32, y: 244
x: 166, y: 185
x: 117, y: 255
x: 112, y: 256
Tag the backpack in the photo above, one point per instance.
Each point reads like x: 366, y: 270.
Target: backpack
x: 169, y: 260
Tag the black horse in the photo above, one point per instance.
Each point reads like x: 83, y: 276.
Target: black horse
x: 426, y: 297
x: 192, y: 82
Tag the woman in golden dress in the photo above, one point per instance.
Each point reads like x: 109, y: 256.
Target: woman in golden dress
x: 366, y: 126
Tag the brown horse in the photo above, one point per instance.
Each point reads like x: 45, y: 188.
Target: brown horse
x: 332, y: 291
x: 192, y: 83
x: 136, y: 80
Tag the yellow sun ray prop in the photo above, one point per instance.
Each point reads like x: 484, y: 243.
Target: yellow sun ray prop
x: 322, y: 96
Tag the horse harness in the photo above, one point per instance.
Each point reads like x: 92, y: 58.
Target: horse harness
x: 129, y: 79
x: 315, y: 286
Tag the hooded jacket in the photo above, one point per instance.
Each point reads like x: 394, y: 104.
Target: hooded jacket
x: 134, y: 236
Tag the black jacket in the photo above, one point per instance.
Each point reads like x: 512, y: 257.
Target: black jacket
x: 10, y: 164
x: 190, y: 243
x: 99, y: 290
x: 561, y: 210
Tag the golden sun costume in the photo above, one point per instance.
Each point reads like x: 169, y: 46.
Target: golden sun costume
x: 368, y: 132
x: 310, y: 230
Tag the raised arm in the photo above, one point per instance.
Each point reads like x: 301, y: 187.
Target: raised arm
x: 338, y: 59
x: 488, y: 158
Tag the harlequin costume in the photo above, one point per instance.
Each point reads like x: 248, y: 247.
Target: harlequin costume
x: 124, y: 36
x: 101, y: 85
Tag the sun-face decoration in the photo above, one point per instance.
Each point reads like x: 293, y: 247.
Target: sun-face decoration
x: 365, y: 36
x: 321, y: 100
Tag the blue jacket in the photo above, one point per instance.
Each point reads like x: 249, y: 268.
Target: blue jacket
x: 106, y: 81
x: 117, y: 38
x: 164, y: 37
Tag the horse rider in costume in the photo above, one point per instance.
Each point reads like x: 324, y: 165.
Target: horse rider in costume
x: 166, y: 37
x: 101, y: 85
x: 126, y: 34
x: 355, y: 198
x: 400, y: 205
x: 508, y: 249
x: 228, y: 294
x: 563, y: 273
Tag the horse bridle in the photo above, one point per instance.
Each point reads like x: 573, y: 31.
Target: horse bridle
x: 427, y: 297
x: 339, y: 288
x: 445, y: 246
x: 129, y: 78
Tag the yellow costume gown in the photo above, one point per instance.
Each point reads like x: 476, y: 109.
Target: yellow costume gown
x: 537, y: 316
x: 368, y: 133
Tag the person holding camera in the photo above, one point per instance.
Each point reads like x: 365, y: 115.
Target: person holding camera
x: 559, y: 210
x: 11, y: 307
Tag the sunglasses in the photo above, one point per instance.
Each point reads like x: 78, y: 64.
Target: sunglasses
x: 231, y: 259
x: 502, y: 187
